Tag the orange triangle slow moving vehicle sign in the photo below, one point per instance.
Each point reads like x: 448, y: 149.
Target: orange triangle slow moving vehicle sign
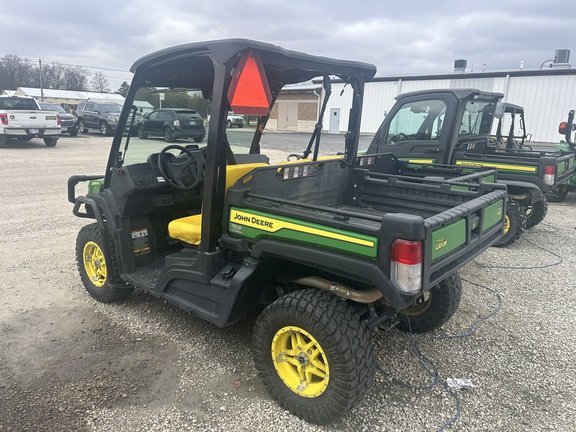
x: 249, y: 92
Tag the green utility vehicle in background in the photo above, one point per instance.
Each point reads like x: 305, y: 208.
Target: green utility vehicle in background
x: 559, y: 192
x: 454, y: 126
x: 324, y: 249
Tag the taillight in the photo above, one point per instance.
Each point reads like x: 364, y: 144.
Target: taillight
x: 406, y: 265
x: 58, y: 119
x: 549, y: 175
x: 4, y: 119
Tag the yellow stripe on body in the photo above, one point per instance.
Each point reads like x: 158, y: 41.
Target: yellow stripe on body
x: 274, y: 225
x: 496, y: 165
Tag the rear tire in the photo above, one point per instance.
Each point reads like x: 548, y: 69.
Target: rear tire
x: 50, y: 142
x: 433, y: 309
x: 314, y: 355
x: 82, y: 127
x: 98, y: 275
x: 229, y: 123
x: 515, y: 224
x: 558, y: 193
x: 168, y: 135
x: 536, y: 212
x: 198, y: 139
x: 73, y: 132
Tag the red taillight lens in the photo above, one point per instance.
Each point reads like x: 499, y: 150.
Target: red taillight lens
x: 549, y: 175
x: 58, y: 119
x: 406, y: 265
x: 4, y: 119
x: 406, y: 252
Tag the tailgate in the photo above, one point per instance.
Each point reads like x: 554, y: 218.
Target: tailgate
x: 32, y: 119
x: 456, y: 236
x: 564, y: 167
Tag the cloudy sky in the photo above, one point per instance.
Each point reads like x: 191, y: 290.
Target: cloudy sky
x: 399, y: 37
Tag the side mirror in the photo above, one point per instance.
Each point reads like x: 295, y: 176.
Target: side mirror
x: 499, y: 110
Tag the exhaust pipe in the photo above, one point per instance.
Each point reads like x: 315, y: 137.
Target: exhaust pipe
x: 340, y: 290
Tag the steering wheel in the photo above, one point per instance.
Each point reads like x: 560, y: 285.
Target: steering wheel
x: 182, y: 172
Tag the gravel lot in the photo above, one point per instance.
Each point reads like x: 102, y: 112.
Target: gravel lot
x: 68, y: 363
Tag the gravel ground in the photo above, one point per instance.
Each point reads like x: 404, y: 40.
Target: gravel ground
x: 70, y: 363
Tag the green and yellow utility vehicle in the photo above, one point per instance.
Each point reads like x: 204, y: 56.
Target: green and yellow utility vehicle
x: 454, y: 126
x: 324, y: 249
x: 559, y: 193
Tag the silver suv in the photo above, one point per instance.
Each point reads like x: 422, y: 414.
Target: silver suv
x: 98, y: 114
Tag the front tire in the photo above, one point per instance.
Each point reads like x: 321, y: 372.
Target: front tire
x: 314, y: 355
x: 198, y: 139
x: 73, y: 131
x: 434, y: 308
x: 142, y: 133
x: 229, y: 123
x: 515, y: 224
x: 104, y: 129
x: 98, y: 275
x: 536, y: 212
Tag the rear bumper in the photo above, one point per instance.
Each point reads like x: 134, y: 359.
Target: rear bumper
x: 42, y: 132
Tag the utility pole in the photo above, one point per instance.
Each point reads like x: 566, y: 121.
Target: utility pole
x: 41, y: 81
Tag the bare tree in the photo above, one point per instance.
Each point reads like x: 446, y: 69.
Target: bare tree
x: 53, y: 76
x: 16, y: 72
x: 76, y: 78
x: 100, y: 83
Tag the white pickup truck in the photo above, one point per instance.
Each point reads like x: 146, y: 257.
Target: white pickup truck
x: 21, y: 118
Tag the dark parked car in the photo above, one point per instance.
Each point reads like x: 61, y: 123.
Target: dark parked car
x: 172, y: 124
x: 67, y: 120
x: 98, y: 114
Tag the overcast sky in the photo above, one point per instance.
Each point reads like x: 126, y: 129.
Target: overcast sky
x: 399, y: 37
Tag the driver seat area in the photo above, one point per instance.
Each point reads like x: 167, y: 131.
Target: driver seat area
x: 188, y: 229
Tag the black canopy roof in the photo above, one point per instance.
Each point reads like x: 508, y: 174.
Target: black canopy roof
x: 282, y: 66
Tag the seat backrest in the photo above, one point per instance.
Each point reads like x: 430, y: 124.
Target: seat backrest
x: 234, y: 172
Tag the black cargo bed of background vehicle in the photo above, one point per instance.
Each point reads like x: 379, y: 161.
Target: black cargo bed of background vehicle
x: 522, y: 165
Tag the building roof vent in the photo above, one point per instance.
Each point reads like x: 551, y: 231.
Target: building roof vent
x: 561, y: 59
x: 460, y: 65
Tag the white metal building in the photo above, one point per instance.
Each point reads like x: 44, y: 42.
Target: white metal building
x: 546, y: 95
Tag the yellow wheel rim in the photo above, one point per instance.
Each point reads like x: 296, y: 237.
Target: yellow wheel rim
x: 420, y: 305
x: 94, y: 263
x: 506, y: 224
x: 300, y: 362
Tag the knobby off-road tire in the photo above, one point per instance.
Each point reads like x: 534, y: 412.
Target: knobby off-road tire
x: 536, y: 212
x: 557, y: 193
x: 314, y: 355
x: 515, y: 224
x: 97, y: 274
x: 434, y: 308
